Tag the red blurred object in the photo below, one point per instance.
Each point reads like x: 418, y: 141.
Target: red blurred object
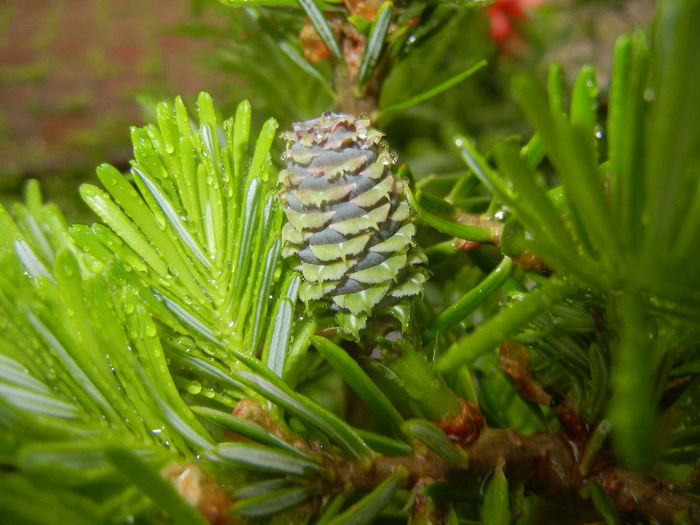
x: 503, y: 15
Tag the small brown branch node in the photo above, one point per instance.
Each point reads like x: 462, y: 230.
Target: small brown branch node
x: 463, y: 428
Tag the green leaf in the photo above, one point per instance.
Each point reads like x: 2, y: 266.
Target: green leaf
x: 298, y: 350
x: 20, y: 494
x: 375, y: 42
x: 600, y: 372
x: 496, y: 508
x: 461, y: 231
x: 263, y: 381
x: 190, y: 431
x: 211, y: 371
x: 359, y: 381
x: 239, y: 140
x: 305, y: 65
x: 197, y: 211
x: 584, y: 103
x: 257, y: 488
x: 532, y: 206
x: 64, y: 461
x: 555, y: 89
x: 276, y: 349
x: 499, y: 327
x: 30, y: 261
x: 119, y: 249
x: 9, y: 233
x: 533, y: 152
x: 264, y: 459
x: 259, y: 164
x: 385, y: 445
x: 103, y: 206
x: 673, y: 144
x: 332, y: 509
x: 574, y: 158
x: 273, y: 501
x: 436, y: 90
x: 481, y: 169
x: 263, y: 297
x: 149, y: 480
x: 429, y: 434
x: 73, y: 365
x: 603, y: 504
x: 365, y: 510
x: 245, y: 428
x: 463, y: 189
x: 361, y: 23
x: 28, y: 394
x: 437, y: 205
x: 29, y: 224
x: 594, y: 445
x: 304, y: 408
x: 626, y: 130
x: 172, y: 217
x: 91, y: 360
x: 458, y: 310
x: 130, y: 201
x: 245, y: 235
x: 321, y: 25
x: 155, y: 366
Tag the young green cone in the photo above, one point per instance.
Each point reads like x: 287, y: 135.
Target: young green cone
x: 349, y: 223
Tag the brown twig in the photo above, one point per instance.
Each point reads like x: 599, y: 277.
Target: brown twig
x: 545, y: 462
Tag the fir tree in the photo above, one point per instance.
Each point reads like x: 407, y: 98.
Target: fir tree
x: 159, y: 366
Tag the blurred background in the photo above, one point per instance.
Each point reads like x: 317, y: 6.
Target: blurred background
x: 75, y: 74
x: 72, y: 73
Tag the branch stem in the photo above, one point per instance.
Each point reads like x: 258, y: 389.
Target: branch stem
x: 544, y: 462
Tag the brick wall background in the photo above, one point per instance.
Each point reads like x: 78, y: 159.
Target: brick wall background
x: 70, y: 74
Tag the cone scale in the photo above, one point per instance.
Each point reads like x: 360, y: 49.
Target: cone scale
x: 348, y: 222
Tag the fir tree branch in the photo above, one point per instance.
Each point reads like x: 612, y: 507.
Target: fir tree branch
x: 547, y: 464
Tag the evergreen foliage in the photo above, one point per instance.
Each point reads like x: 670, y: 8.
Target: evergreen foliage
x: 157, y: 367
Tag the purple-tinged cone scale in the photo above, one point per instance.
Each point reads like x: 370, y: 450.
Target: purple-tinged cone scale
x: 349, y: 223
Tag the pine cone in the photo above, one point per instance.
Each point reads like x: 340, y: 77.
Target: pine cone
x: 349, y: 222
